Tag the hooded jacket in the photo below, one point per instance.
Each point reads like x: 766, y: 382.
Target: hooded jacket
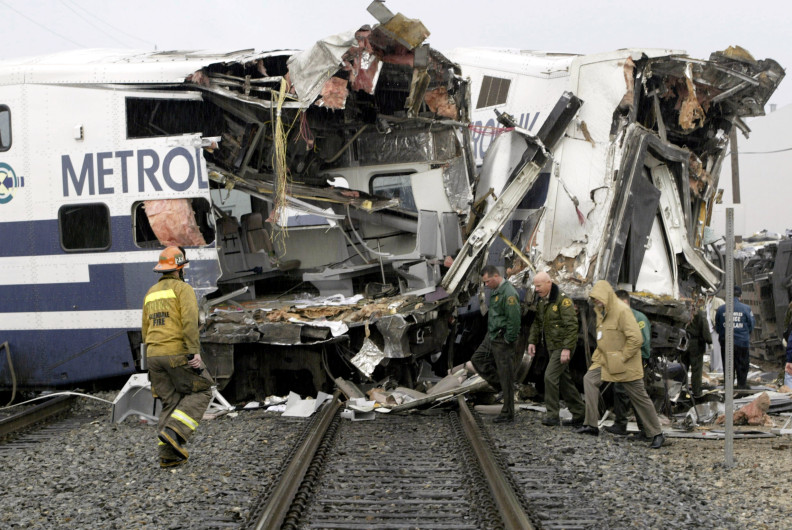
x: 618, y: 338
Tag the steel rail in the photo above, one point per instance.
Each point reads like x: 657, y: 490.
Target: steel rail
x: 282, y: 496
x: 35, y: 414
x: 514, y: 517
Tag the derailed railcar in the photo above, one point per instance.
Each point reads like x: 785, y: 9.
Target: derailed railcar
x: 317, y: 194
x: 629, y: 193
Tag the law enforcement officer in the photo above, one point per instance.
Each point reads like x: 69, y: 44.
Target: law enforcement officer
x: 556, y: 324
x: 170, y: 332
x: 494, y: 358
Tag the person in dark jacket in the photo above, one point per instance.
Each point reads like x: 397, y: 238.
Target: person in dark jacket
x: 556, y: 324
x: 743, y: 326
x: 698, y: 337
x: 494, y: 358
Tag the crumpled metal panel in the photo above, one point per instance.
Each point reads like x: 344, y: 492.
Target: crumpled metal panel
x: 389, y: 149
x: 394, y: 331
x: 456, y: 186
x: 309, y: 70
x: 229, y: 333
x: 368, y: 357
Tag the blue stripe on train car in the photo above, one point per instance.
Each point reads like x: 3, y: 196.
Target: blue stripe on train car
x: 113, y: 286
x: 65, y: 357
x: 42, y: 238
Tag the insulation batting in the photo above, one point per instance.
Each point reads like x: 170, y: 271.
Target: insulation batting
x: 173, y: 222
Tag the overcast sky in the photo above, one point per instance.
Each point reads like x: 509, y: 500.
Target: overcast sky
x: 34, y: 27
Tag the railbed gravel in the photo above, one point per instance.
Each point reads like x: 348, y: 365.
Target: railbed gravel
x: 104, y: 475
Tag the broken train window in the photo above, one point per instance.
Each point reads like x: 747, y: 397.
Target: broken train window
x: 494, y: 91
x: 395, y: 186
x: 176, y: 222
x: 153, y: 117
x: 84, y: 227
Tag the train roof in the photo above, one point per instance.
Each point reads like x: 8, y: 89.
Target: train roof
x: 120, y: 66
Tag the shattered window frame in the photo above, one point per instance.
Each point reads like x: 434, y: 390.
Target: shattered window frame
x: 489, y: 98
x: 5, y: 128
x: 143, y: 234
x: 157, y: 117
x: 404, y: 183
x: 73, y: 234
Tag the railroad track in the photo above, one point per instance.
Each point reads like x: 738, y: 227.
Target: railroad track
x: 428, y: 472
x: 48, y: 416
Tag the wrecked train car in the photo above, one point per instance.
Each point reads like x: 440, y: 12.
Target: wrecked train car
x: 317, y: 194
x: 629, y: 194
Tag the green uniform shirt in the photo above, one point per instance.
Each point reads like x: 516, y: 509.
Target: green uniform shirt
x: 504, y: 313
x: 170, y: 319
x: 556, y: 321
x: 646, y: 333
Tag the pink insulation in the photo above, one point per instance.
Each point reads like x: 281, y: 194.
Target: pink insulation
x: 173, y: 222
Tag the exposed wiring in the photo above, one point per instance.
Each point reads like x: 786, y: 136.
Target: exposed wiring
x: 761, y: 152
x: 64, y: 393
x: 362, y: 242
x: 70, y: 8
x: 107, y: 23
x: 42, y: 26
x: 281, y: 165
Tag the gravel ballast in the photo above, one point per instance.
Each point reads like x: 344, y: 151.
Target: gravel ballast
x: 105, y: 475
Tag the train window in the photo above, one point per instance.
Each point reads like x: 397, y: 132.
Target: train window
x: 395, y: 185
x: 150, y: 118
x: 180, y: 222
x: 494, y: 91
x: 5, y: 128
x: 84, y: 227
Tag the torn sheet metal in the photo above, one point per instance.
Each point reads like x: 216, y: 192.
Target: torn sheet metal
x: 472, y: 384
x: 309, y: 70
x: 368, y: 358
x: 394, y: 331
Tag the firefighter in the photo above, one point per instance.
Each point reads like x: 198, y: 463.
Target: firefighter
x: 170, y: 332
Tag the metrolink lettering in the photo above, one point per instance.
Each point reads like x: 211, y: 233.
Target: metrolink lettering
x: 482, y: 135
x: 97, y: 176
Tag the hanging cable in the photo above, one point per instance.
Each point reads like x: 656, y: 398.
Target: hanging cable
x: 42, y: 26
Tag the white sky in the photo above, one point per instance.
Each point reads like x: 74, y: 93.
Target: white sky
x: 34, y: 27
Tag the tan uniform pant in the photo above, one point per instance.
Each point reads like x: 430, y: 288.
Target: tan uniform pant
x: 185, y: 394
x: 635, y: 390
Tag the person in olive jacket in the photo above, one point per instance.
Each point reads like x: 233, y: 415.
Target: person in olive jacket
x: 170, y: 332
x: 556, y: 323
x: 617, y: 359
x: 494, y: 358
